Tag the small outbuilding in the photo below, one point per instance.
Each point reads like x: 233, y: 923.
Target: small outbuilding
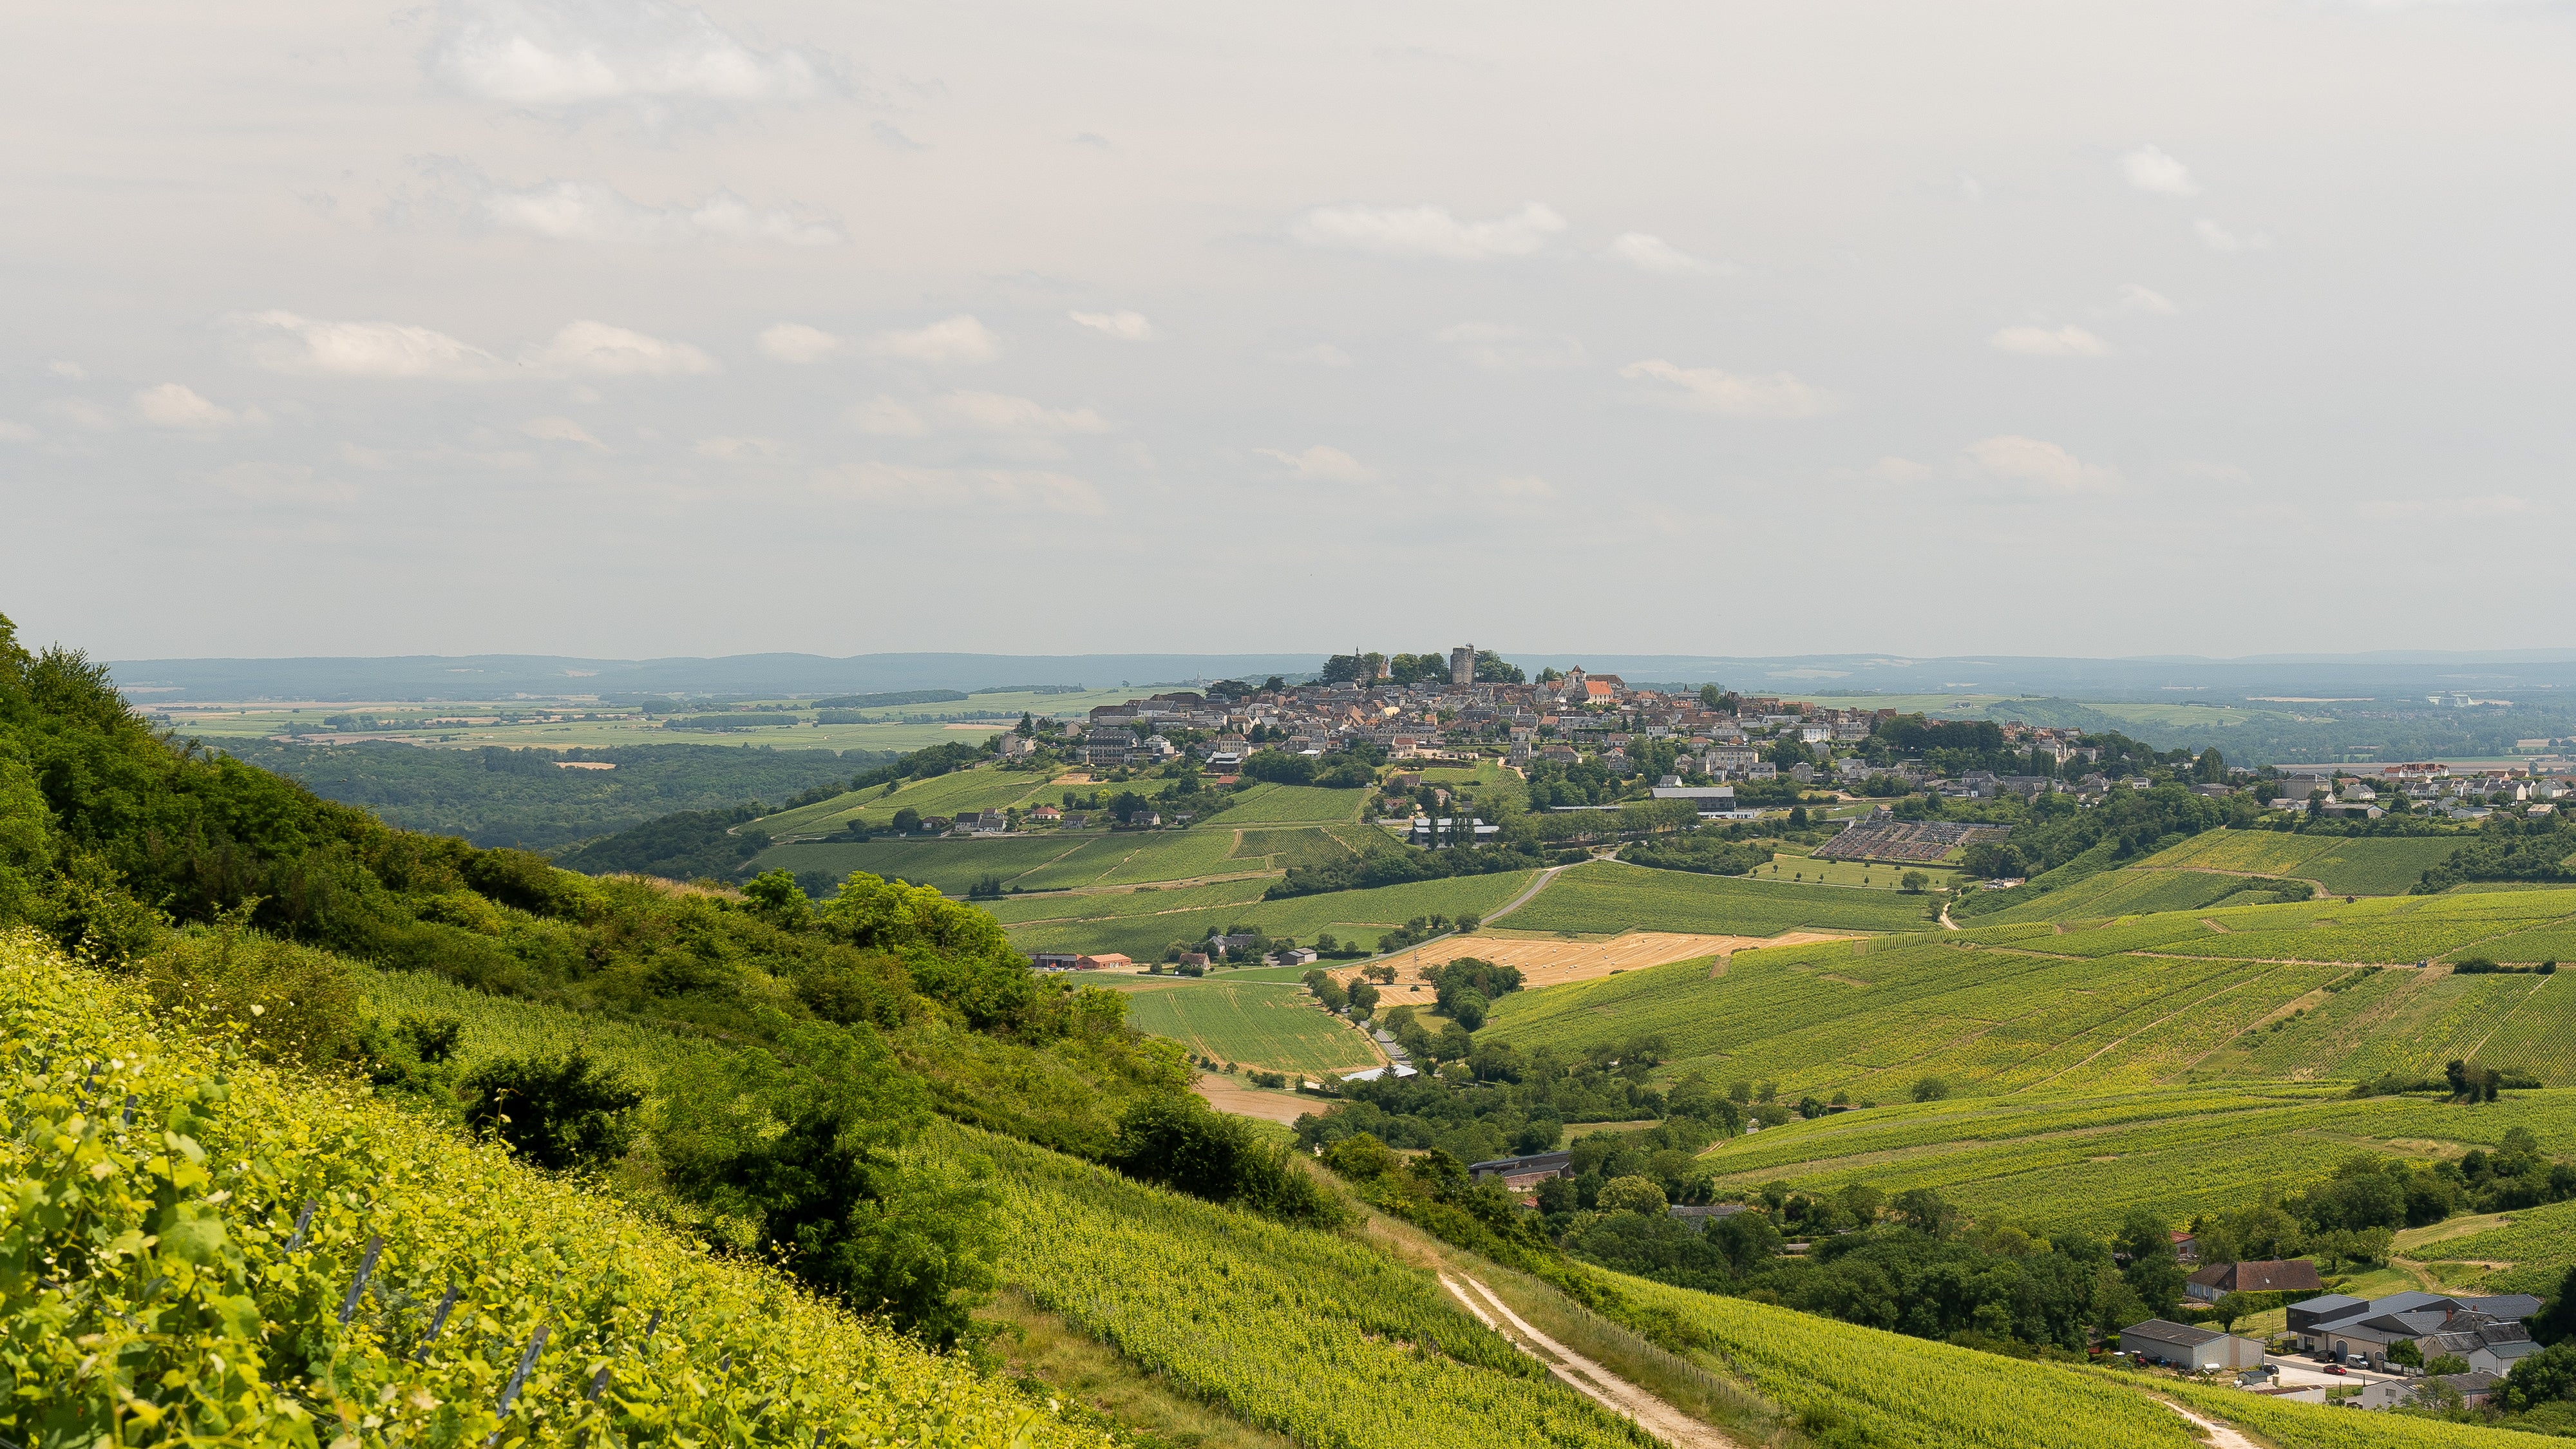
x: 2179, y: 1345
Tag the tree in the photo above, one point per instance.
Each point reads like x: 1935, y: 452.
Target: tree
x: 2403, y: 1351
x: 1930, y: 1089
x: 2233, y: 1306
x: 1491, y: 669
x: 1631, y: 1195
x: 1467, y: 1008
x: 1913, y: 882
x: 1925, y: 1211
x: 558, y: 1112
x: 2443, y: 1363
x: 2543, y: 1378
x: 906, y: 820
x: 2211, y: 769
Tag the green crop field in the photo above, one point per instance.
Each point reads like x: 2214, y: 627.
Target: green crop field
x: 1350, y: 915
x: 1792, y: 865
x: 950, y: 865
x: 1279, y: 849
x: 2135, y: 892
x: 1869, y: 1017
x: 497, y: 1026
x: 1270, y: 1024
x: 2375, y: 865
x: 2539, y: 1242
x: 986, y: 787
x: 1607, y: 897
x: 1267, y: 804
x: 1311, y: 1334
x: 1107, y: 905
x: 2086, y: 1161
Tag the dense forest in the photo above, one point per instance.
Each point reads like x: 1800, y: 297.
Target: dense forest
x: 523, y: 798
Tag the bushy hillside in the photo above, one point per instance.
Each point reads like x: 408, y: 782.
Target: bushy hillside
x: 207, y: 1249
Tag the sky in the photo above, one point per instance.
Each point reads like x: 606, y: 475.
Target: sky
x: 627, y: 328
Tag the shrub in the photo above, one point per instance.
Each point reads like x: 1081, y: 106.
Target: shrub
x: 560, y: 1112
x: 1930, y: 1089
x: 1631, y: 1195
x: 290, y: 1003
x: 1177, y: 1142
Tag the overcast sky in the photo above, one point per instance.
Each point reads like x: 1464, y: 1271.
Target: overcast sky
x: 628, y: 328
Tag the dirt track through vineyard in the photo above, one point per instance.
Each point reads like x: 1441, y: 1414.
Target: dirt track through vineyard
x: 1545, y: 962
x: 1584, y: 1376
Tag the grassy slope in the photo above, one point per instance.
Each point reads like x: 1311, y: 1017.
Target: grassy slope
x: 1351, y: 915
x: 1608, y: 897
x: 1270, y: 1024
x: 2539, y: 1242
x: 986, y: 787
x: 1267, y: 804
x: 2363, y: 866
x: 447, y: 1212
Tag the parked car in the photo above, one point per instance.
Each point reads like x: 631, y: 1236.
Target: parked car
x: 2336, y: 1368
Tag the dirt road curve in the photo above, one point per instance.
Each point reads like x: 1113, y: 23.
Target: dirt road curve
x: 1584, y: 1376
x: 1228, y: 1095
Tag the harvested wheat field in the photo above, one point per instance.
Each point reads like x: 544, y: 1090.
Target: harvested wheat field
x: 1560, y: 963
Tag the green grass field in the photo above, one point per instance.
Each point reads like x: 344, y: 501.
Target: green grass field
x: 1350, y: 915
x: 986, y: 787
x: 1608, y: 897
x: 1270, y: 1024
x: 2370, y: 866
x: 2053, y: 1160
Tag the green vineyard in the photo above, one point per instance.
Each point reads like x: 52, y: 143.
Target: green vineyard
x: 1304, y: 1332
x: 1606, y: 898
x: 1251, y: 1023
x: 242, y: 1254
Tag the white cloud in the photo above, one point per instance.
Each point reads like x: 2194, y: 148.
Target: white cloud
x: 175, y: 405
x: 1654, y: 254
x: 16, y: 432
x: 993, y: 412
x: 1510, y: 349
x: 2220, y: 239
x: 597, y: 349
x: 2037, y: 464
x: 559, y: 430
x: 2142, y: 301
x: 1320, y: 462
x: 903, y: 486
x: 285, y: 342
x: 2067, y: 341
x: 1125, y: 326
x: 887, y: 418
x: 741, y: 449
x: 71, y: 370
x: 1427, y: 231
x: 570, y: 54
x: 798, y: 343
x: 1706, y: 389
x: 1893, y: 469
x: 594, y: 211
x: 1525, y: 487
x: 957, y: 339
x: 1322, y: 354
x: 2150, y: 169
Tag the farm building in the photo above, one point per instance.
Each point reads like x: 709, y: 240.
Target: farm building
x: 1519, y: 1174
x: 2487, y: 1331
x: 2185, y: 1347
